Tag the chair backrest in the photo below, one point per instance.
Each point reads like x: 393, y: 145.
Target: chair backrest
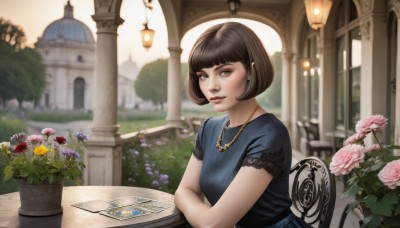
x: 313, y: 191
x: 300, y: 129
x: 310, y: 132
x: 313, y: 128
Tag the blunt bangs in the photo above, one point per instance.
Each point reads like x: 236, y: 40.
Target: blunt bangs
x: 218, y: 47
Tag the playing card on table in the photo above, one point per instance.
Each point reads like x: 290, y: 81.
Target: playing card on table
x: 95, y: 205
x: 127, y: 212
x: 150, y: 207
x: 125, y: 201
x: 158, y: 204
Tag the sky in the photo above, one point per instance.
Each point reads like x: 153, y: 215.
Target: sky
x: 35, y: 15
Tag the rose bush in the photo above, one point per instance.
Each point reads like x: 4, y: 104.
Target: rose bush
x: 375, y: 173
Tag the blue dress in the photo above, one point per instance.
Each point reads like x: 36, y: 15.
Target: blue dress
x: 264, y: 143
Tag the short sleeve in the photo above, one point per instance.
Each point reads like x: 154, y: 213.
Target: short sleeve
x: 270, y: 151
x: 198, y: 150
x: 273, y: 163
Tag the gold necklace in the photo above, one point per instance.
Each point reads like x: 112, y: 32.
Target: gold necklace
x: 227, y: 145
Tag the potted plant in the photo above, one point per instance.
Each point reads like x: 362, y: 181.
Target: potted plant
x: 40, y: 164
x: 375, y: 174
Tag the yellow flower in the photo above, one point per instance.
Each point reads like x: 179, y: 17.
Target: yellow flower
x: 40, y: 150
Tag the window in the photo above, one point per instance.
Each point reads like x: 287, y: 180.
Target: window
x: 310, y: 78
x: 348, y: 67
x: 79, y: 93
x: 79, y: 58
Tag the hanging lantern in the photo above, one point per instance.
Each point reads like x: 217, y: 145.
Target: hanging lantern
x: 306, y: 64
x: 317, y: 12
x: 147, y: 36
x: 234, y: 6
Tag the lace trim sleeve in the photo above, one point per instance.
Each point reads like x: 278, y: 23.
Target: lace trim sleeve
x: 197, y: 154
x: 272, y: 163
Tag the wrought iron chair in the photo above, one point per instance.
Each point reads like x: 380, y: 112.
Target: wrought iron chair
x: 313, y: 191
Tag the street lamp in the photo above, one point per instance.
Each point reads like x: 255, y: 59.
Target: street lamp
x: 317, y: 12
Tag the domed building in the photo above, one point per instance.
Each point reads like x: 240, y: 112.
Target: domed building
x: 68, y: 50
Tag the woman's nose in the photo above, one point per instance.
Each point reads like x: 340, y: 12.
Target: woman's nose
x: 213, y: 84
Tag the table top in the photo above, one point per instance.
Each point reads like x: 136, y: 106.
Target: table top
x: 76, y: 217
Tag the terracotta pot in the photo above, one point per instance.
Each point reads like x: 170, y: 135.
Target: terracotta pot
x: 42, y: 199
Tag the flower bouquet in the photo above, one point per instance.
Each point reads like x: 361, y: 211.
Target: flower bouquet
x: 41, y: 158
x: 375, y: 174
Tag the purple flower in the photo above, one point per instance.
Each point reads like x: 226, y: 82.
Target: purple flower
x: 144, y: 145
x: 81, y: 136
x: 155, y: 184
x: 18, y: 138
x: 147, y: 168
x: 70, y: 152
x: 150, y: 173
x: 164, y: 178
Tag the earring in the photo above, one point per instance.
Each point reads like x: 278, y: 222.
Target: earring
x: 253, y: 64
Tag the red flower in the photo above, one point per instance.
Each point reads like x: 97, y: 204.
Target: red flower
x: 21, y: 147
x: 60, y: 140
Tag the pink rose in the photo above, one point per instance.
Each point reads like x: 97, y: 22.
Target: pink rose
x: 34, y: 139
x: 390, y: 174
x: 48, y: 131
x: 357, y: 137
x: 371, y: 123
x: 346, y: 159
x: 374, y: 147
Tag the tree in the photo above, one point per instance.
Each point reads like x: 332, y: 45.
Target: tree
x: 22, y: 73
x: 151, y: 83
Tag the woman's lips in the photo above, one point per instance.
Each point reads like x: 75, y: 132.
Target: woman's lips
x: 216, y: 99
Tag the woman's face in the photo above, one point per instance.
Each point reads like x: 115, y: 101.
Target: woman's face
x: 222, y: 84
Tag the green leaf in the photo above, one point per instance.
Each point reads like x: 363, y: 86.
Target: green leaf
x: 30, y: 179
x: 51, y: 178
x: 397, y: 210
x: 390, y: 198
x: 372, y: 221
x: 392, y: 221
x: 377, y: 166
x: 352, y: 190
x: 384, y: 206
x: 8, y: 172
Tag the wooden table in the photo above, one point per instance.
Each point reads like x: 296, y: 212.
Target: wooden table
x: 75, y: 217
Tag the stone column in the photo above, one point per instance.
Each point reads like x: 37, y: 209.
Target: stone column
x: 397, y: 102
x: 174, y: 99
x: 374, y: 66
x: 286, y: 94
x: 326, y: 90
x: 103, y: 156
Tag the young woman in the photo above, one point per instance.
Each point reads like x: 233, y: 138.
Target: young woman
x: 241, y: 161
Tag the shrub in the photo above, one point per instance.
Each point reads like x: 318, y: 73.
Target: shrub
x: 158, y: 164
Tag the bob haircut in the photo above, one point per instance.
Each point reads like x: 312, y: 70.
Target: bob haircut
x: 224, y: 43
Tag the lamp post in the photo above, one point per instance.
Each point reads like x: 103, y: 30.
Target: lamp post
x: 317, y: 12
x: 234, y: 6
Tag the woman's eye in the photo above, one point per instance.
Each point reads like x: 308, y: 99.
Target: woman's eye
x: 225, y: 73
x: 202, y: 76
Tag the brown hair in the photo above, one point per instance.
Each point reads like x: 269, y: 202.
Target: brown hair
x: 229, y: 42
